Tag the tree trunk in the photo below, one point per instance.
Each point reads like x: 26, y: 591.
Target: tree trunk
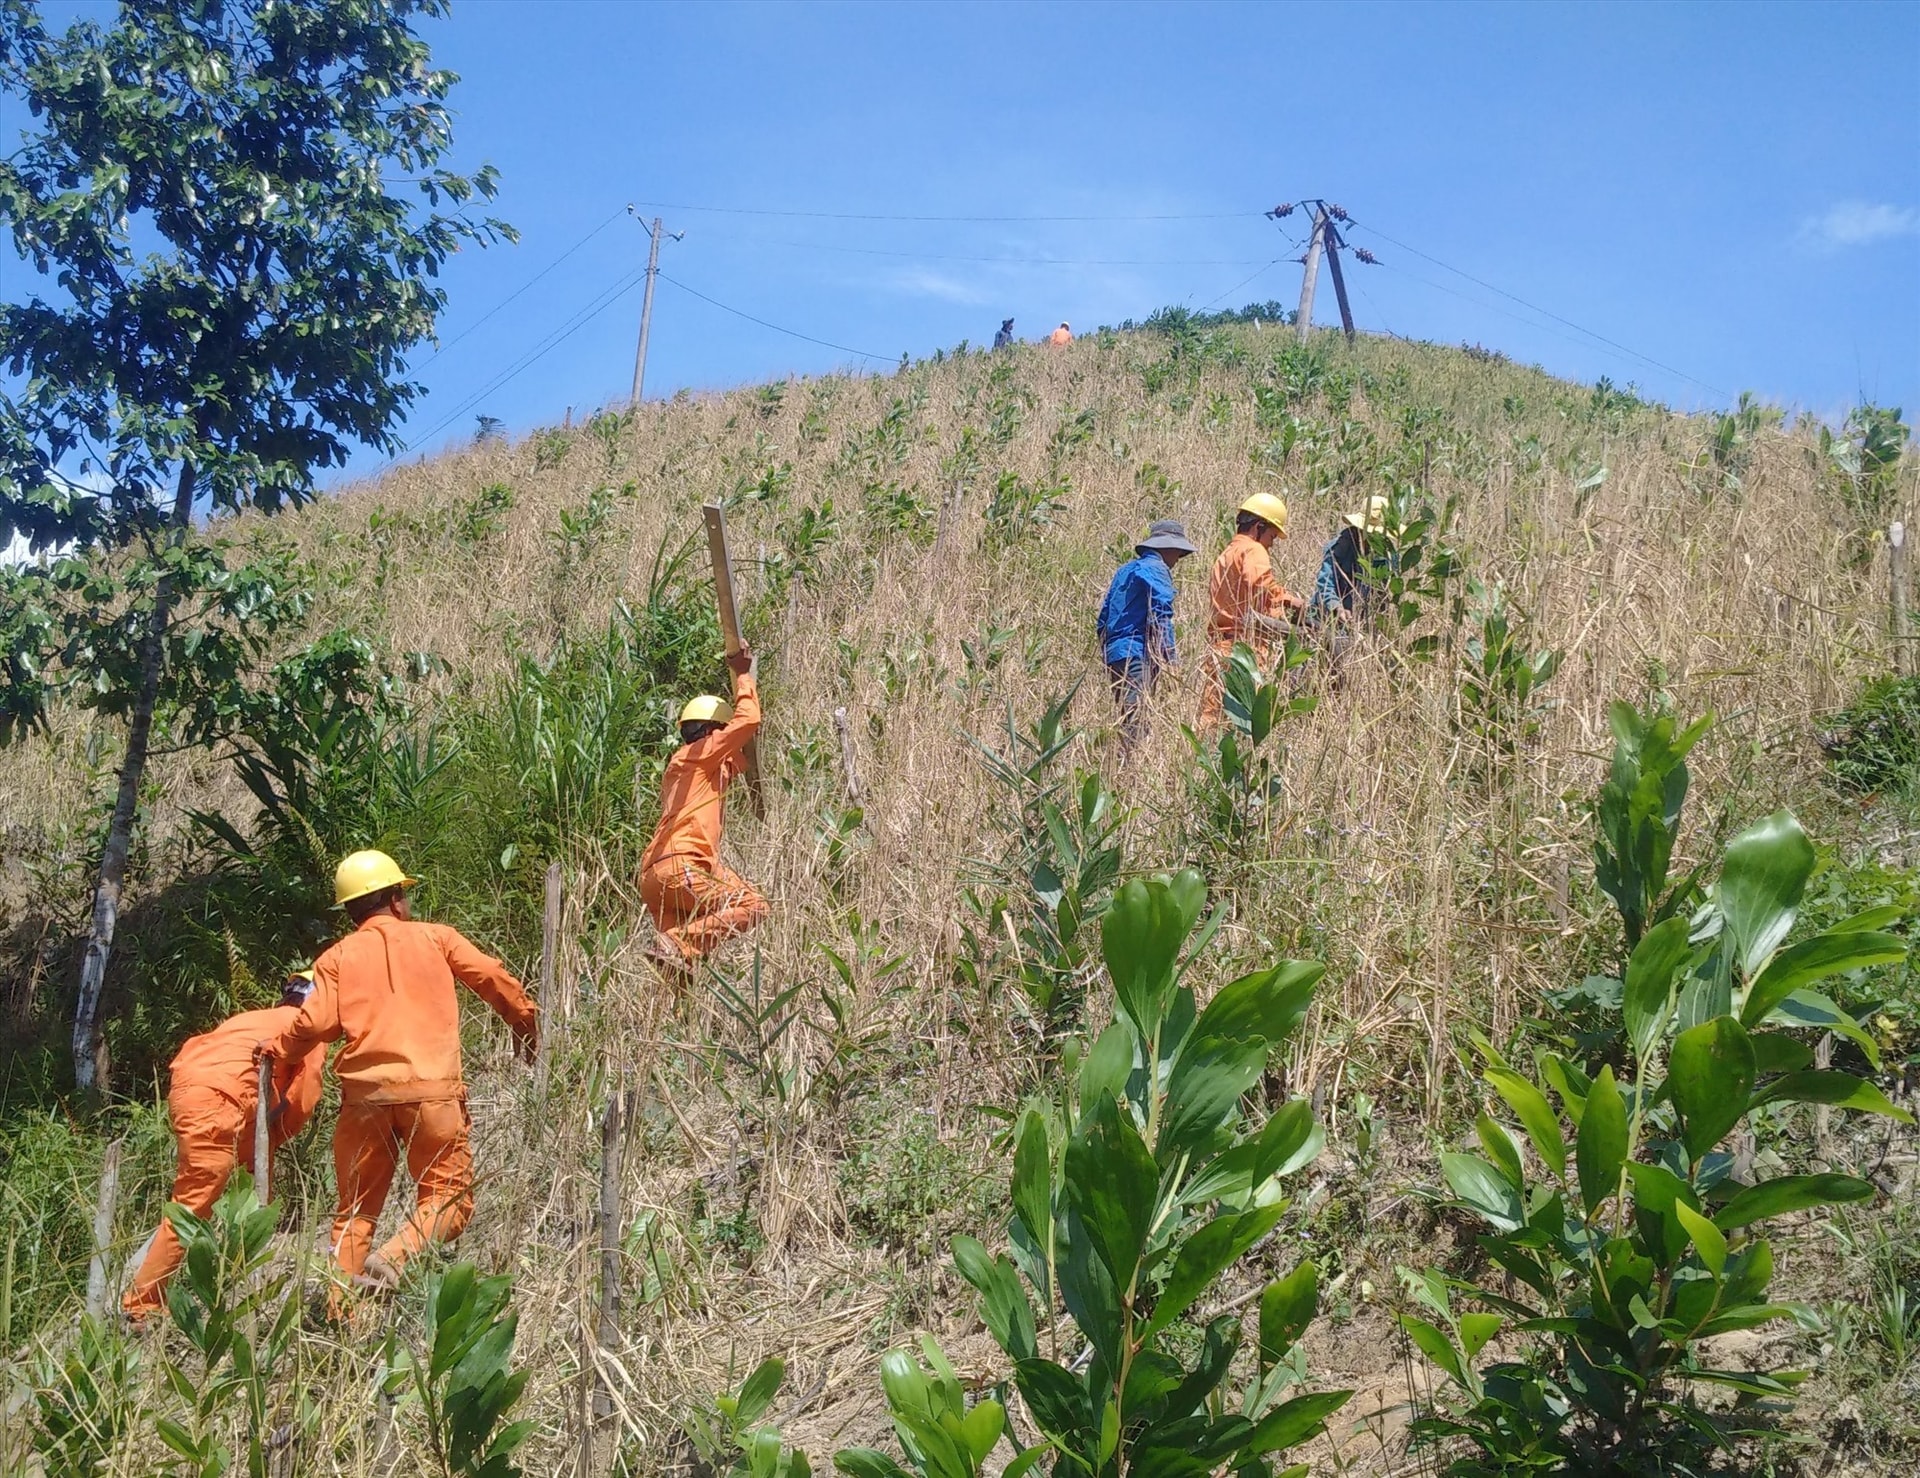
x: 89, y: 1046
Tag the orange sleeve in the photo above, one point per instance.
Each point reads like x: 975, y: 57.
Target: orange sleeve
x: 1270, y: 597
x: 318, y: 1022
x: 490, y: 980
x: 296, y: 1091
x: 744, y: 724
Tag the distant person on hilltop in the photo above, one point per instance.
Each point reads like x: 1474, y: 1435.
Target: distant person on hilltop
x: 211, y: 1098
x: 1004, y: 339
x: 1060, y: 337
x: 1136, y: 623
x: 697, y: 900
x: 1248, y: 603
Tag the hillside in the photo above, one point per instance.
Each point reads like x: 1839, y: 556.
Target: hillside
x: 926, y: 550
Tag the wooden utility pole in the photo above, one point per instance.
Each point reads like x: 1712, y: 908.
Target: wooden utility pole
x: 1303, y: 320
x: 730, y: 628
x: 1897, y: 582
x: 646, y: 306
x: 1334, y: 243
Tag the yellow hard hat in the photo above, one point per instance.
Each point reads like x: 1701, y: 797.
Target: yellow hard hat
x: 1374, y: 519
x: 707, y: 709
x: 367, y: 872
x: 1268, y: 509
x: 299, y: 984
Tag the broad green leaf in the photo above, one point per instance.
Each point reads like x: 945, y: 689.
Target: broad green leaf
x: 1105, y: 1071
x: 1003, y: 1302
x: 1475, y: 1331
x: 1789, y: 1193
x: 1140, y: 938
x: 1568, y: 1081
x: 1799, y: 965
x: 1091, y: 1294
x: 1601, y: 1148
x: 1776, y: 1052
x: 1286, y: 1142
x: 1749, y: 1317
x: 1295, y: 1421
x: 1710, y: 1078
x: 1019, y: 1466
x: 757, y: 1394
x: 1435, y: 1346
x: 1707, y: 1238
x: 1839, y: 1090
x: 1536, y: 1116
x: 1656, y: 1190
x: 981, y: 1427
x: 1502, y: 1152
x: 1204, y: 1256
x: 1810, y: 1008
x: 1204, y: 1090
x: 1762, y: 878
x: 1269, y: 1004
x: 1483, y: 1189
x: 1033, y: 1177
x: 864, y: 1462
x: 1287, y: 1307
x: 1646, y: 999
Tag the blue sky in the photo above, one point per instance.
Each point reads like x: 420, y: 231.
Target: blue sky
x: 1732, y: 193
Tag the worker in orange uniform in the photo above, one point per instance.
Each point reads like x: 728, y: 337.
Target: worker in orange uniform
x: 212, y: 1093
x: 1060, y: 337
x: 697, y: 900
x: 1248, y: 603
x: 387, y: 989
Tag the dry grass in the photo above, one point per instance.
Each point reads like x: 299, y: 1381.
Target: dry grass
x: 1440, y: 901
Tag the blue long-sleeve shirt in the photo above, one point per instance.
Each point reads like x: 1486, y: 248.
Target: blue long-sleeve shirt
x: 1136, y: 618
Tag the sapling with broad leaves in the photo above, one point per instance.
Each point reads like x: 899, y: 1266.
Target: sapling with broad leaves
x: 1238, y: 775
x: 1637, y: 817
x: 1630, y: 1237
x: 1131, y: 1197
x: 464, y: 1383
x: 730, y: 1440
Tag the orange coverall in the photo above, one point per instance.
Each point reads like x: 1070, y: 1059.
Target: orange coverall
x: 211, y: 1093
x: 697, y: 900
x: 1060, y: 337
x: 1241, y: 585
x: 388, y: 989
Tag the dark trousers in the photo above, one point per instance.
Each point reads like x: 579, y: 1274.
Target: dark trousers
x: 1132, y: 683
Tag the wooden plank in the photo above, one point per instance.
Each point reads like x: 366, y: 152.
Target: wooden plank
x: 730, y: 629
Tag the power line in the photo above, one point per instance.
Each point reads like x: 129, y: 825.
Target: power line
x: 870, y: 251
x: 1536, y: 308
x: 443, y: 348
x: 1237, y: 286
x: 828, y: 215
x: 791, y: 333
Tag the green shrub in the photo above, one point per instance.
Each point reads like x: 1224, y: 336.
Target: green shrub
x: 1875, y: 744
x: 463, y: 1383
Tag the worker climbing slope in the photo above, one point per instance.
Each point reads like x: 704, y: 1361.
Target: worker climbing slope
x: 1135, y: 624
x: 697, y: 900
x: 212, y: 1093
x: 1060, y: 337
x: 1247, y: 603
x: 388, y: 990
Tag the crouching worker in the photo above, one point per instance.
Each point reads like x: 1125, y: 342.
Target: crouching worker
x: 1248, y: 604
x: 211, y: 1097
x: 697, y: 900
x: 388, y: 990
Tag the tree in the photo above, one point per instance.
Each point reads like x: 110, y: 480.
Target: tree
x: 230, y: 293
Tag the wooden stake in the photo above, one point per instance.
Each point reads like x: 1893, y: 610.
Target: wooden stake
x: 730, y: 628
x: 847, y: 770
x: 1897, y: 581
x: 549, y: 952
x: 611, y: 1130
x: 103, y: 1230
x: 262, y: 1127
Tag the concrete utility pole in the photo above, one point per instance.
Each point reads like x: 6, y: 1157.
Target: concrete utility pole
x: 646, y: 305
x: 1303, y: 320
x: 1334, y: 243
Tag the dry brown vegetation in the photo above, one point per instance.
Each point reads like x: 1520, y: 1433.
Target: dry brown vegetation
x: 1445, y: 887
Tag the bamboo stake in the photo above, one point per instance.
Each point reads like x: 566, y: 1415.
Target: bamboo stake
x: 262, y: 1127
x: 103, y: 1230
x: 730, y: 628
x: 549, y: 946
x: 847, y: 767
x: 612, y: 1129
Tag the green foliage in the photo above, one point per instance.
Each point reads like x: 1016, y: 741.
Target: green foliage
x: 1415, y: 565
x: 729, y: 1440
x: 940, y: 1434
x: 85, y: 1401
x: 1629, y: 1241
x: 1132, y: 1196
x: 1019, y: 510
x: 239, y: 1319
x: 1874, y: 745
x: 1237, y: 777
x: 1637, y: 817
x: 1864, y: 461
x: 1730, y: 449
x: 1500, y: 678
x: 463, y: 1384
x: 1062, y: 856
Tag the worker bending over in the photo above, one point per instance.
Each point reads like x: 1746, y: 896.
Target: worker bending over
x: 1248, y: 603
x: 697, y: 900
x: 387, y: 988
x: 212, y: 1094
x: 1343, y: 586
x: 1135, y: 625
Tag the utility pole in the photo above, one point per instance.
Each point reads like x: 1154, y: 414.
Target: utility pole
x: 1326, y: 240
x: 1303, y: 320
x: 646, y: 304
